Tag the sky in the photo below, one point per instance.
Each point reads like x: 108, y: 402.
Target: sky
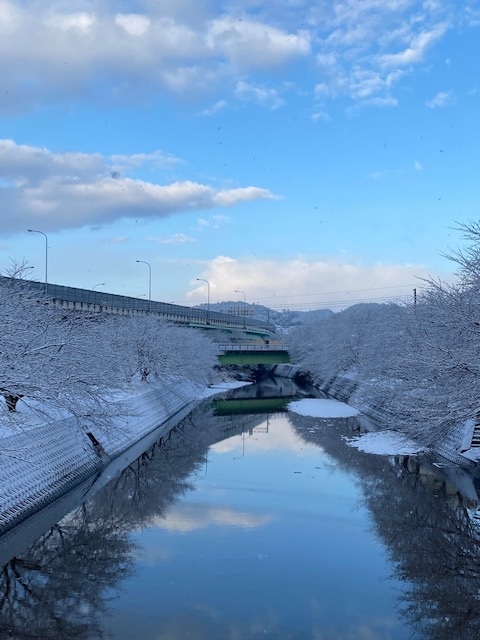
x: 294, y: 154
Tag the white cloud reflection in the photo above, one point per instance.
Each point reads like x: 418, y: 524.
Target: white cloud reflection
x: 191, y: 516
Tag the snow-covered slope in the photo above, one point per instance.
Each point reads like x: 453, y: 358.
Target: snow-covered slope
x: 41, y: 463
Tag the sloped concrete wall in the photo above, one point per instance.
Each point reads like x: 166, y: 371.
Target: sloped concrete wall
x: 374, y: 416
x: 41, y: 464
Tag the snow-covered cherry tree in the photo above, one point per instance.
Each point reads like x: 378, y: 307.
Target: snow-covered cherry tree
x: 151, y: 347
x: 442, y: 367
x: 49, y: 357
x: 420, y: 362
x: 61, y: 362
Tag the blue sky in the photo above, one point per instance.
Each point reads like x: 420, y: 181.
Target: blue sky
x: 304, y: 153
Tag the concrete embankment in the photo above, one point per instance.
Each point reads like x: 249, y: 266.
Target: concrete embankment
x: 41, y: 464
x: 374, y: 417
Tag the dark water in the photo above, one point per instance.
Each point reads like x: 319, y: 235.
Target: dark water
x: 264, y: 525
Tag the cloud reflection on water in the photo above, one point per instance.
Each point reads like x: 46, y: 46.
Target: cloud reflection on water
x: 261, y: 439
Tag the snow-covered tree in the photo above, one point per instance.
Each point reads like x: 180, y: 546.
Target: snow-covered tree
x: 441, y: 370
x: 61, y: 362
x: 50, y: 358
x: 362, y: 342
x: 151, y: 347
x: 421, y: 362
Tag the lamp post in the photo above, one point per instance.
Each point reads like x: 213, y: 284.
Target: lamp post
x: 149, y: 281
x: 208, y: 295
x: 245, y: 306
x: 24, y: 271
x: 243, y: 447
x: 100, y: 284
x: 46, y: 256
x: 244, y: 295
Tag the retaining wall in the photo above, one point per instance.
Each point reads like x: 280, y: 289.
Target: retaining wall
x: 375, y: 417
x: 41, y: 464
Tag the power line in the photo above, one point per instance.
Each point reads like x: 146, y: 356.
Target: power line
x: 346, y: 291
x: 285, y: 303
x: 310, y: 306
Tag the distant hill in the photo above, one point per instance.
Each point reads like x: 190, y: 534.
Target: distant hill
x: 282, y: 319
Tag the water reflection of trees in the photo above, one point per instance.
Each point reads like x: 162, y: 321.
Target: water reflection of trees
x: 56, y: 589
x: 431, y: 538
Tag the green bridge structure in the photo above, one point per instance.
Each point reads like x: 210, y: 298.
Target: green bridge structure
x: 253, y: 352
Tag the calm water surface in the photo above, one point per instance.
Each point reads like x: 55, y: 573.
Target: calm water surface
x: 264, y: 525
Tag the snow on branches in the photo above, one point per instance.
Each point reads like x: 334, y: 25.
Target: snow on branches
x: 419, y: 362
x: 57, y: 363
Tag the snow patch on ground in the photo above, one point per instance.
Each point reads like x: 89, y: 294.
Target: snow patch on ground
x: 322, y: 408
x: 386, y: 443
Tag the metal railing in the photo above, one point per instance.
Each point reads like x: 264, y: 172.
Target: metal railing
x: 99, y: 301
x: 253, y: 346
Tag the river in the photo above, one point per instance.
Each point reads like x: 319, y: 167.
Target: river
x: 249, y: 521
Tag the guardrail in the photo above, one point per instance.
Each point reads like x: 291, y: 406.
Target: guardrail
x: 99, y: 301
x: 253, y: 346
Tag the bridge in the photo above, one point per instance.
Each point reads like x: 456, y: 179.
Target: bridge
x: 100, y: 302
x: 253, y: 352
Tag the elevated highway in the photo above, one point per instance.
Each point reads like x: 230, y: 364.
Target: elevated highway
x: 100, y: 302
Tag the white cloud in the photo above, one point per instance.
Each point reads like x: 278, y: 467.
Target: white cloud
x: 155, y: 160
x: 134, y: 24
x: 103, y: 54
x: 415, y: 52
x: 263, y: 95
x: 370, y: 46
x: 177, y: 238
x: 72, y: 190
x: 472, y: 13
x: 442, y: 99
x: 94, y: 51
x: 351, y: 11
x: 365, y: 82
x: 320, y: 116
x: 228, y: 197
x: 80, y: 21
x: 214, y: 221
x: 24, y: 164
x: 417, y: 166
x: 377, y: 175
x: 215, y: 108
x: 247, y: 43
x: 296, y: 282
x: 380, y: 102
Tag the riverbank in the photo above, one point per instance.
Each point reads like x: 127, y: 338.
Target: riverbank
x: 41, y: 461
x: 456, y: 448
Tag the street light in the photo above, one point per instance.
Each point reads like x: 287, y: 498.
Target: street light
x: 244, y: 295
x: 208, y: 294
x: 245, y: 305
x: 46, y: 255
x: 243, y: 447
x: 149, y: 281
x: 100, y: 284
x: 24, y: 271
